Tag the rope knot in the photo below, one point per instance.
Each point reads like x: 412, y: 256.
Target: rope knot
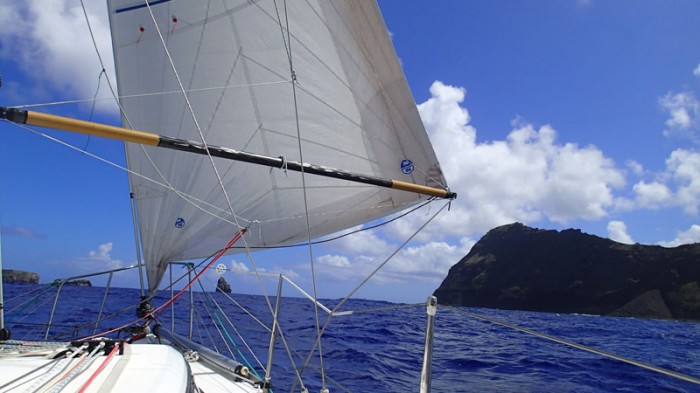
x: 283, y: 166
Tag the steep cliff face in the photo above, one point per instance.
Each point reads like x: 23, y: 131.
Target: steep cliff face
x: 19, y: 277
x: 517, y: 267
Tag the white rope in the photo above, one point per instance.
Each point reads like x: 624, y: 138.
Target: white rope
x: 240, y: 337
x: 283, y: 166
x: 76, y: 371
x: 191, y: 110
x: 199, y: 130
x: 160, y: 93
x: 201, y: 326
x: 218, y: 330
x: 188, y: 198
x: 99, y: 56
x: 192, y: 200
x: 56, y: 369
x: 369, y: 276
x: 293, y: 74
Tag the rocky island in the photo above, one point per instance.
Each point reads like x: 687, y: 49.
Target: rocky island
x: 522, y: 268
x: 223, y: 286
x: 78, y: 283
x: 11, y: 276
x: 19, y: 277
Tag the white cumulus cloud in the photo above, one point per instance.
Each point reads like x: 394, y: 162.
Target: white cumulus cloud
x: 530, y: 176
x: 684, y: 115
x: 677, y: 186
x: 692, y: 235
x: 429, y: 261
x: 334, y: 261
x: 103, y: 255
x: 423, y: 262
x: 239, y: 267
x: 617, y: 231
x: 527, y: 177
x: 684, y: 167
x: 361, y: 242
x: 652, y: 195
x: 49, y: 41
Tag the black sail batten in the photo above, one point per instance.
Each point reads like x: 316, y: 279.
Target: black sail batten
x: 112, y: 132
x: 274, y: 162
x: 277, y: 162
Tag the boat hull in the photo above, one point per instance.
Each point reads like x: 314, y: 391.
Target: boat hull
x: 140, y: 367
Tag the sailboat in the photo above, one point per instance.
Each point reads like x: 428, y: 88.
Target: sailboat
x: 247, y: 125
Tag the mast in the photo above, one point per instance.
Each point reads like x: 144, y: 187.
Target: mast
x: 4, y: 333
x: 145, y: 138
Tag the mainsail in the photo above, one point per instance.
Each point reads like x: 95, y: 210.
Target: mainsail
x: 308, y: 81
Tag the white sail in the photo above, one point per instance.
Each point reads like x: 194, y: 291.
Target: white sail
x: 263, y: 77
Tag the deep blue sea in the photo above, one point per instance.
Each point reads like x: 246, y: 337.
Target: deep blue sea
x: 381, y: 347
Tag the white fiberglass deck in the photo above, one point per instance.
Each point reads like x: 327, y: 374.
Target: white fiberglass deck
x: 141, y: 368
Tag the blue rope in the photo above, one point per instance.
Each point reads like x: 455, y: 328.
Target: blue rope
x: 212, y: 309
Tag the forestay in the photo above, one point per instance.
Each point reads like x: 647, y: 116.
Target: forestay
x: 311, y: 81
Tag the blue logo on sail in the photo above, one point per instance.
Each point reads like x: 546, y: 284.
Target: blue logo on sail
x: 407, y: 167
x: 180, y: 222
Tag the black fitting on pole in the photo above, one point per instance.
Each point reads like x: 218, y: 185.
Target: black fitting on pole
x: 5, y: 334
x: 13, y: 115
x: 145, y: 308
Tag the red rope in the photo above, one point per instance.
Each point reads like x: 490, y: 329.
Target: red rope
x: 218, y: 255
x: 99, y: 369
x: 67, y: 373
x: 237, y: 236
x: 113, y: 330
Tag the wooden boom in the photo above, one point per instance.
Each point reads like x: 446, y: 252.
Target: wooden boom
x: 145, y: 138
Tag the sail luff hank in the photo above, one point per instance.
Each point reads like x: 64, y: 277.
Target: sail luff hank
x: 124, y: 134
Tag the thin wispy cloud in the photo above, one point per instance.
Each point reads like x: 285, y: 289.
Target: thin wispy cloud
x: 21, y: 232
x: 636, y: 167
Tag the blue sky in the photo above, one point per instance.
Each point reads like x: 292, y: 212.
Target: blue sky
x: 554, y: 113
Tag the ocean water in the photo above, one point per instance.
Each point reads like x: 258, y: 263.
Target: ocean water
x: 380, y: 347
